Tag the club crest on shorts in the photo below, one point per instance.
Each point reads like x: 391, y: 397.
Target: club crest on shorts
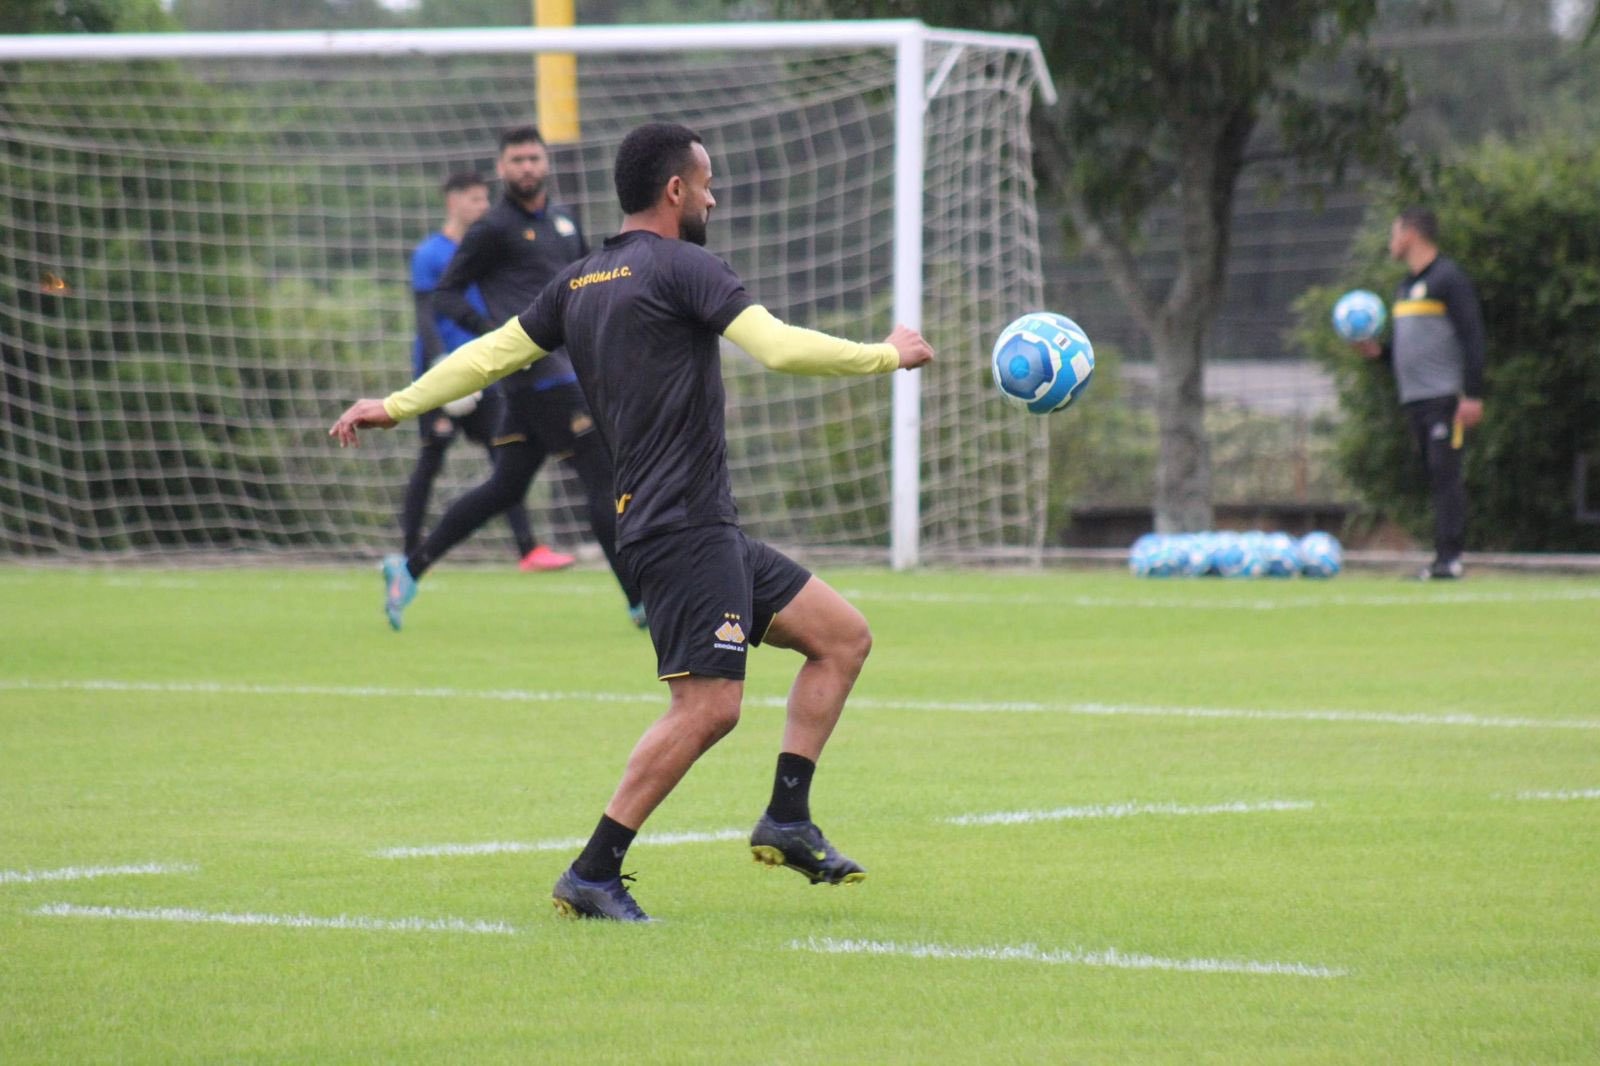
x: 730, y: 634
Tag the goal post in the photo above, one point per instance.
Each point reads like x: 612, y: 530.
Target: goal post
x: 207, y: 235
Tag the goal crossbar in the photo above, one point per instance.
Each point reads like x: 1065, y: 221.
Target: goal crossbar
x: 671, y: 37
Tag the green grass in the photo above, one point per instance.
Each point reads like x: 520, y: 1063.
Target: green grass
x: 1462, y: 918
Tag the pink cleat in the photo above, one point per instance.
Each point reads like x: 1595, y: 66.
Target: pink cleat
x: 543, y: 558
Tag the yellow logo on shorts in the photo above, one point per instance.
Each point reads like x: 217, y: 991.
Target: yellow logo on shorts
x: 731, y: 632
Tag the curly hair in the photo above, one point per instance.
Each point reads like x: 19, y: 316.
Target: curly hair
x: 648, y: 158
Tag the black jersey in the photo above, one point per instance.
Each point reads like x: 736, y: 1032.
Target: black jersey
x: 640, y: 319
x: 1438, y: 341
x: 510, y: 254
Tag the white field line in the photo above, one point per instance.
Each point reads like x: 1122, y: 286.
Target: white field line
x: 1566, y: 794
x: 861, y: 703
x: 1124, y: 810
x: 85, y: 873
x: 1293, y: 603
x: 563, y: 844
x: 290, y: 921
x: 1110, y: 957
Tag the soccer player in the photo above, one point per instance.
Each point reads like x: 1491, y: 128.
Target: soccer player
x: 641, y: 319
x: 466, y: 198
x: 1437, y: 355
x: 509, y: 254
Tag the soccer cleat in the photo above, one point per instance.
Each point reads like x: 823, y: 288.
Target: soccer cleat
x: 636, y: 616
x: 1443, y: 570
x: 543, y: 558
x: 801, y: 846
x: 576, y: 898
x: 399, y: 588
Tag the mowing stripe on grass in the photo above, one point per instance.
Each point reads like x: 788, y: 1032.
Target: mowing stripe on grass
x: 860, y: 703
x: 1124, y: 810
x: 289, y: 921
x: 1570, y: 794
x: 1110, y: 957
x: 563, y: 844
x: 85, y: 873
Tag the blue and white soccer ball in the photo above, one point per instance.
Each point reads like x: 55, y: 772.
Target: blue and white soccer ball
x: 1280, y: 555
x: 1235, y: 555
x: 1042, y: 361
x: 1359, y: 315
x: 1320, y: 555
x: 1147, y: 556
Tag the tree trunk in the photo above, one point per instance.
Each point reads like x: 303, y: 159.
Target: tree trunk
x: 1183, y: 459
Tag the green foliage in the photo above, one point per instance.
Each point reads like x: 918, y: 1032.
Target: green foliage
x: 1525, y: 224
x: 83, y: 16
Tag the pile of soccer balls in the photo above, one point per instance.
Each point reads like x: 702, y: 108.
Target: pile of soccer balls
x: 1251, y: 554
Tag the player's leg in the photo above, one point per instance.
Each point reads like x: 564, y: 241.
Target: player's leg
x: 399, y: 586
x: 567, y: 429
x: 1432, y: 424
x: 592, y: 461
x: 698, y: 585
x: 437, y: 431
x: 808, y: 616
x: 516, y: 460
x: 1448, y: 488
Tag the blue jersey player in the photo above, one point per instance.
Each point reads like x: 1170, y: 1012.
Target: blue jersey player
x: 641, y: 320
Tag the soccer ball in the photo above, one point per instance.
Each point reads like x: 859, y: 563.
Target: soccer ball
x: 1320, y: 555
x: 1042, y: 361
x: 1147, y: 557
x: 1358, y: 316
x: 1235, y: 555
x: 1280, y: 555
x: 464, y: 406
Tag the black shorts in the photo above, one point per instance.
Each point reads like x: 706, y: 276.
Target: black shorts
x: 711, y: 593
x: 479, y: 426
x: 554, y: 418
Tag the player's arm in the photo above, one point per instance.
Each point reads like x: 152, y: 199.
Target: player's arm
x: 427, y: 328
x: 796, y: 350
x: 471, y: 367
x: 1466, y: 315
x: 472, y: 260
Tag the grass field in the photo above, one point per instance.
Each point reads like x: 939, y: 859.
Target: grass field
x: 1105, y: 821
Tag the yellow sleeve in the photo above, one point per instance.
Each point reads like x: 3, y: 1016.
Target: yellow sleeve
x: 466, y: 370
x: 794, y: 350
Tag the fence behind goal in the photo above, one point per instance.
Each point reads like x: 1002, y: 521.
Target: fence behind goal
x: 205, y: 259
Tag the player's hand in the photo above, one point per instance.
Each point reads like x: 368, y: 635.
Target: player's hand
x: 1469, y: 412
x: 914, y: 351
x: 361, y: 415
x: 1369, y: 348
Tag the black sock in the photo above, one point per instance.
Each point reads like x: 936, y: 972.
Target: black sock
x: 791, y: 789
x: 416, y: 565
x: 602, y: 856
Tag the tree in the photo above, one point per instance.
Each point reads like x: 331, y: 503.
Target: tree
x: 1162, y: 102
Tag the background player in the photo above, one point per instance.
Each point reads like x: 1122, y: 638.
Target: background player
x: 641, y: 319
x: 1438, y: 358
x: 509, y: 254
x: 466, y: 198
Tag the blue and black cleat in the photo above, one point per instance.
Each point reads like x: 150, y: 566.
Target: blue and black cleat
x: 801, y: 846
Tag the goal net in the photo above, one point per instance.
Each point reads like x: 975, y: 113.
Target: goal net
x: 205, y: 258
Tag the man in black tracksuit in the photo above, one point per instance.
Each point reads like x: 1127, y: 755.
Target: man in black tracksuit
x: 1438, y: 357
x: 510, y: 254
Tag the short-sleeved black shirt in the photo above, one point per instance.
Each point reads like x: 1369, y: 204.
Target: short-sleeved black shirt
x: 640, y: 319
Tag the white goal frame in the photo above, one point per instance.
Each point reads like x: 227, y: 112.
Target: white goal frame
x: 908, y: 38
